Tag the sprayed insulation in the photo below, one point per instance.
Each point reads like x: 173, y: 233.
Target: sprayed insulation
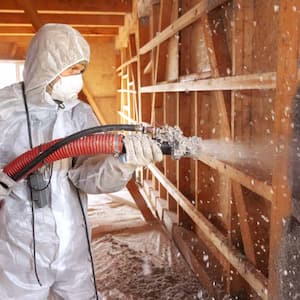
x: 136, y: 262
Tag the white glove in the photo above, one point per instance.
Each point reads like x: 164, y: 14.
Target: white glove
x: 141, y: 150
x: 6, y: 184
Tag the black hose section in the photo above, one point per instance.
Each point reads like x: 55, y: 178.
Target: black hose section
x: 72, y: 137
x: 33, y: 241
x: 88, y: 243
x: 32, y: 204
x: 27, y: 116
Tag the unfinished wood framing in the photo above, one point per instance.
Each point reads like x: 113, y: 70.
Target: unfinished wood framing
x: 217, y: 76
x: 226, y: 71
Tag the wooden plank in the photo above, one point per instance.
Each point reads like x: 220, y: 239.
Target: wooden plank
x: 154, y: 27
x: 139, y: 200
x: 286, y: 84
x: 188, y: 18
x: 172, y: 68
x: 135, y: 225
x: 159, y: 57
x: 133, y: 72
x: 31, y: 12
x: 243, y: 220
x: 257, y: 186
x: 219, y: 96
x: 255, y: 278
x: 113, y: 6
x: 186, y: 124
x: 125, y: 64
x: 104, y: 20
x: 239, y: 82
x: 148, y: 68
x: 144, y: 101
x: 171, y: 165
x: 30, y: 31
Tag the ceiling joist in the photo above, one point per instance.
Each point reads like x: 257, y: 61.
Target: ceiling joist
x: 30, y: 31
x: 105, y: 20
x: 112, y: 6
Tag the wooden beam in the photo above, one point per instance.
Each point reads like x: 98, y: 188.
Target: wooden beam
x: 254, y: 277
x: 148, y: 67
x: 144, y: 101
x: 113, y: 6
x: 135, y: 225
x: 243, y: 220
x: 30, y: 31
x: 30, y: 10
x: 240, y: 82
x: 104, y: 20
x: 286, y: 86
x: 188, y: 18
x: 79, y: 13
x: 259, y: 187
x: 140, y: 201
x: 124, y: 65
x: 172, y: 63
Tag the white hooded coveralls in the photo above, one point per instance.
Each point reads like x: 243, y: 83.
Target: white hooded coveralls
x: 62, y: 254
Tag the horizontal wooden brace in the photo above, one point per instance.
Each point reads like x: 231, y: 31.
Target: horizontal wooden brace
x: 127, y: 63
x: 203, y: 7
x: 124, y: 116
x: 240, y: 82
x: 126, y: 91
x: 257, y: 81
x: 30, y: 31
x: 253, y: 276
x: 109, y: 20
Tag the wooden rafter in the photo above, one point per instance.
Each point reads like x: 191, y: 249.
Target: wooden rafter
x: 103, y: 20
x: 112, y: 6
x: 30, y: 31
x: 239, y: 82
x: 31, y: 12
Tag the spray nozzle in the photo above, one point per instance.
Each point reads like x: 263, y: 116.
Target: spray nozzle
x: 173, y: 142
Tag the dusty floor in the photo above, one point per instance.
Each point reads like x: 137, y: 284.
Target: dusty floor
x: 135, y: 260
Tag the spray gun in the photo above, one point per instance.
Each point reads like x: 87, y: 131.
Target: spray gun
x: 90, y: 142
x: 173, y: 142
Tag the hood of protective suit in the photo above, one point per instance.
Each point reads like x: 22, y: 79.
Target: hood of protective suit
x: 53, y: 49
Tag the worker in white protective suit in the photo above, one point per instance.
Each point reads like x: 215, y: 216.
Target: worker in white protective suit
x: 43, y: 247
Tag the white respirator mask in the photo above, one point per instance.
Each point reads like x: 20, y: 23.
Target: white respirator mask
x: 67, y: 87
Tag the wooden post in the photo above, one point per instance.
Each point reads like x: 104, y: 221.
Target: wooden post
x: 286, y: 83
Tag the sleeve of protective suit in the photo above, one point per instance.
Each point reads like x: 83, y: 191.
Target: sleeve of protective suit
x: 6, y: 185
x: 100, y: 174
x: 106, y: 174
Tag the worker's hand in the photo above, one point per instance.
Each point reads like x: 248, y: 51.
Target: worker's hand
x: 6, y: 184
x: 141, y: 150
